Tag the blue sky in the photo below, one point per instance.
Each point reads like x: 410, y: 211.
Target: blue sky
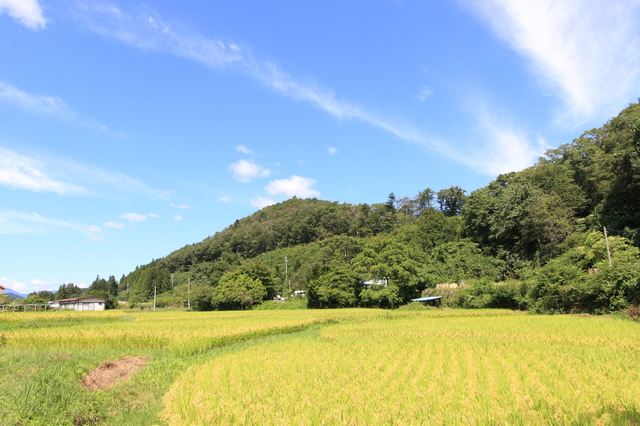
x: 129, y: 129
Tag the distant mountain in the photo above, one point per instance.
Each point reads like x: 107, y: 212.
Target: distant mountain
x: 14, y: 294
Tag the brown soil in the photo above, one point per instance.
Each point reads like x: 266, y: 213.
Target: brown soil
x: 111, y: 373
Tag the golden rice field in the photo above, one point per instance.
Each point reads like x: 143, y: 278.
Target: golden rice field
x: 420, y: 369
x: 181, y: 332
x: 322, y: 367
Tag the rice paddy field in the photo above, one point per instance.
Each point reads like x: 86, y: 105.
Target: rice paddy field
x: 322, y: 367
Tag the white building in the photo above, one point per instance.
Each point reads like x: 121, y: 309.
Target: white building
x: 88, y: 303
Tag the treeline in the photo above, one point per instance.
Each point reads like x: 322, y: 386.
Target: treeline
x: 532, y: 239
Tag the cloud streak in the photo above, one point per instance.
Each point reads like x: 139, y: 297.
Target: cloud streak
x: 145, y: 30
x: 49, y: 105
x: 63, y: 176
x: 18, y: 222
x: 586, y: 52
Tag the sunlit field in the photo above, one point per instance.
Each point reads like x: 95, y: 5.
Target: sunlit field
x: 322, y: 367
x: 421, y: 370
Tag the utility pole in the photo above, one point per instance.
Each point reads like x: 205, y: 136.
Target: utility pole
x: 189, y: 293
x: 606, y: 238
x: 286, y: 272
x: 127, y: 287
x: 171, y: 281
x: 154, y: 297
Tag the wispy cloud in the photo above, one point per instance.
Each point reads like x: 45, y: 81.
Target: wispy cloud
x: 49, y: 105
x: 424, y: 93
x: 22, y: 172
x: 18, y: 222
x: 295, y: 185
x: 178, y: 218
x: 243, y: 149
x: 51, y: 173
x: 586, y: 52
x: 136, y: 217
x: 506, y: 147
x: 225, y: 199
x: 262, y: 202
x: 144, y: 29
x: 27, y: 12
x: 96, y: 239
x: 179, y: 206
x: 112, y: 224
x: 332, y: 151
x: 247, y: 171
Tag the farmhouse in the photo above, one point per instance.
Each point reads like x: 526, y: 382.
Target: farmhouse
x: 384, y: 281
x: 87, y: 303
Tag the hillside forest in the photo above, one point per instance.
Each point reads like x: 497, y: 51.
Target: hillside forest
x: 529, y: 240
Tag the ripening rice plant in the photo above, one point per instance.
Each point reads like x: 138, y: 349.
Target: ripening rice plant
x: 424, y: 369
x: 181, y: 332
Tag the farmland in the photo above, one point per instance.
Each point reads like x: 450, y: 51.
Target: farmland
x: 322, y: 367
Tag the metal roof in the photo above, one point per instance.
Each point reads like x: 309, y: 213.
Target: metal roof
x: 425, y: 299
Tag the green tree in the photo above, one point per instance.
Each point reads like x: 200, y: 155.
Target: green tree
x: 424, y: 200
x: 68, y: 291
x: 402, y: 265
x: 237, y: 291
x: 451, y: 200
x: 336, y: 288
x: 112, y: 285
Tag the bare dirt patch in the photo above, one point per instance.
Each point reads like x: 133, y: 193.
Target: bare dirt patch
x: 111, y: 373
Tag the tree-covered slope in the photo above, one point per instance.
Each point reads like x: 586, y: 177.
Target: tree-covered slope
x: 538, y: 230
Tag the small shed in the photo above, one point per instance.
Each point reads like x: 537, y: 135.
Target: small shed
x: 384, y: 281
x: 87, y: 303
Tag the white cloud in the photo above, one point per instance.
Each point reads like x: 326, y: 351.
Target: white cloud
x: 21, y: 172
x: 51, y: 173
x: 27, y: 12
x: 96, y: 239
x: 135, y: 217
x: 17, y: 222
x: 295, y: 185
x: 503, y: 147
x: 180, y: 206
x: 178, y: 218
x: 243, y: 149
x: 333, y: 151
x: 247, y: 171
x: 424, y: 93
x: 14, y: 285
x: 87, y: 229
x: 262, y: 202
x: 225, y: 199
x: 112, y: 224
x: 49, y: 105
x: 586, y: 52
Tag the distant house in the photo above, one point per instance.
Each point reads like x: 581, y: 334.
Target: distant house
x: 300, y: 293
x: 384, y: 281
x: 87, y: 303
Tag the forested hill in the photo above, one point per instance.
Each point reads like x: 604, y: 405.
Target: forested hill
x: 525, y: 233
